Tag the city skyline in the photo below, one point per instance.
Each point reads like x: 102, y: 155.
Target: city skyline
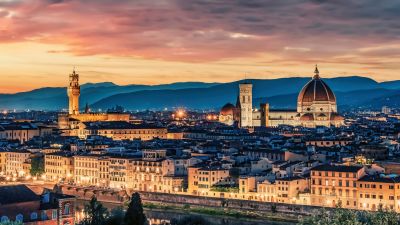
x: 155, y: 42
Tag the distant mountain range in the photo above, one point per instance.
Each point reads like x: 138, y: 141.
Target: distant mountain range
x: 352, y: 91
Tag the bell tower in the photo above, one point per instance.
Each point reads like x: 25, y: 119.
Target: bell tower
x: 246, y: 104
x: 74, y: 90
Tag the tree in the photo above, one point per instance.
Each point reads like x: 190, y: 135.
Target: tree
x: 341, y: 216
x: 116, y: 217
x: 336, y: 216
x: 95, y: 213
x: 383, y: 217
x: 134, y: 214
x: 37, y: 166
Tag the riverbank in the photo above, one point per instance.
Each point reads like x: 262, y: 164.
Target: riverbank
x: 158, y: 213
x: 235, y: 208
x: 211, y: 211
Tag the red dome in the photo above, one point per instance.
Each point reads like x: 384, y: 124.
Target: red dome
x: 316, y: 90
x: 228, y: 109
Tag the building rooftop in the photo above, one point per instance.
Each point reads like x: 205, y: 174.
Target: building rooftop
x: 16, y: 194
x: 337, y: 168
x: 381, y: 178
x: 118, y: 125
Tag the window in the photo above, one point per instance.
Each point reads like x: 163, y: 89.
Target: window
x: 19, y: 218
x: 67, y: 209
x: 43, y: 215
x: 4, y: 219
x: 34, y: 216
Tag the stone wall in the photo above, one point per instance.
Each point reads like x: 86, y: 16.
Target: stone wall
x: 104, y: 195
x: 120, y: 197
x: 173, y: 199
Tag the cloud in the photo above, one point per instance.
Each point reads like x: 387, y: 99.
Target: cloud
x: 204, y: 31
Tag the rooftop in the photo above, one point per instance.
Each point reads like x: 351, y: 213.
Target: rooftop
x: 16, y: 194
x: 337, y: 168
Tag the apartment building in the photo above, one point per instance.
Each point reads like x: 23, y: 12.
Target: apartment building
x: 59, y: 166
x: 379, y: 192
x: 333, y: 185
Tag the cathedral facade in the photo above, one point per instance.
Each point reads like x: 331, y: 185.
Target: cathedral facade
x: 316, y: 106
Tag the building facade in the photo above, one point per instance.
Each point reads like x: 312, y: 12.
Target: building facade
x: 59, y: 166
x: 333, y: 185
x: 245, y: 102
x: 19, y: 203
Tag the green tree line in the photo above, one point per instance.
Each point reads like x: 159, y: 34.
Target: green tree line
x: 340, y: 216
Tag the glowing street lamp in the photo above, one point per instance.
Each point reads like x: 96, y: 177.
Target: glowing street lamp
x: 180, y: 113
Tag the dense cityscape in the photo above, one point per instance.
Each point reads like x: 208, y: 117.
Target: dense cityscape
x: 199, y: 112
x: 241, y: 157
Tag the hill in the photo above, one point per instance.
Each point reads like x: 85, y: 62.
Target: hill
x: 280, y: 93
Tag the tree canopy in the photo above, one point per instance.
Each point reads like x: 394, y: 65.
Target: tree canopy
x: 134, y: 214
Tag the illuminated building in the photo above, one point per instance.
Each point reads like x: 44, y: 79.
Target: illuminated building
x: 288, y: 189
x: 22, y: 131
x: 69, y: 122
x: 3, y: 161
x: 74, y: 90
x: 267, y: 191
x: 245, y: 102
x: 121, y: 130
x: 15, y: 160
x: 114, y: 124
x: 86, y: 169
x: 202, y: 179
x: 316, y: 106
x: 379, y: 192
x: 59, y: 166
x: 228, y: 114
x: 333, y: 185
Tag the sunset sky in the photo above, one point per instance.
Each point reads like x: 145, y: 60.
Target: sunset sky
x: 164, y: 41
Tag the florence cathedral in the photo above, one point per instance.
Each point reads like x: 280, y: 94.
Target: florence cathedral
x: 316, y: 106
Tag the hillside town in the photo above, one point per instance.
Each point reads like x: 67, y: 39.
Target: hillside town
x: 314, y: 158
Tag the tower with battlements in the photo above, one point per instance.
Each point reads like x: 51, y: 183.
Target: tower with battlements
x: 74, y: 90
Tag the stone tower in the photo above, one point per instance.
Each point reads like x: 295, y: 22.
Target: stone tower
x: 246, y: 104
x: 74, y: 90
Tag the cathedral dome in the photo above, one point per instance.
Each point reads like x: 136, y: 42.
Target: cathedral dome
x: 228, y: 109
x: 316, y: 90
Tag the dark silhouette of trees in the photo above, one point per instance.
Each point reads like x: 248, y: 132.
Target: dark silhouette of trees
x: 134, y: 214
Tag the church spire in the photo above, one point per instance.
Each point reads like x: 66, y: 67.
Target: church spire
x: 316, y: 72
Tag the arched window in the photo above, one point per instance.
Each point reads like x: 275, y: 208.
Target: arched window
x: 4, y: 219
x: 19, y: 218
x: 67, y: 209
x: 34, y: 216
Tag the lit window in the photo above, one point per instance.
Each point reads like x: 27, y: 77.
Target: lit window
x: 19, y: 218
x: 34, y: 216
